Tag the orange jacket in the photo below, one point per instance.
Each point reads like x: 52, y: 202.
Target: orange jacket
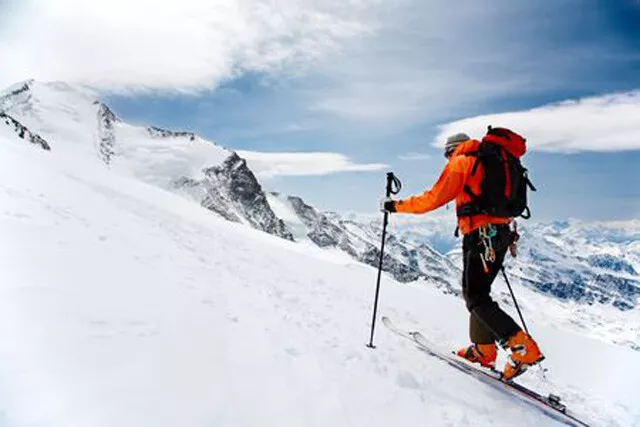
x: 450, y: 186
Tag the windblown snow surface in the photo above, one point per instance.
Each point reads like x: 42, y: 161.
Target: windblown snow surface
x: 122, y: 304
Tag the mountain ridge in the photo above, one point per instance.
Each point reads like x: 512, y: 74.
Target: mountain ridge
x: 604, y: 270
x: 76, y: 123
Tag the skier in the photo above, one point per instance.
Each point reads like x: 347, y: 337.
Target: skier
x: 486, y: 240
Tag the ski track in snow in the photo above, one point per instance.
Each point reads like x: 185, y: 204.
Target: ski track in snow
x: 122, y: 304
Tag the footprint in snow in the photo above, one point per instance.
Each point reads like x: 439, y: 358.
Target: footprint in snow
x: 407, y: 380
x: 293, y: 351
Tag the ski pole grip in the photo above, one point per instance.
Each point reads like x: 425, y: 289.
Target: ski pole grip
x: 393, y: 184
x: 390, y: 178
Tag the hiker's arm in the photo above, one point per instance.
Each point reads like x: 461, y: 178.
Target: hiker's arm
x: 447, y: 188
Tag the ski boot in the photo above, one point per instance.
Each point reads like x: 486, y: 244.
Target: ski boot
x: 524, y: 353
x: 484, y: 354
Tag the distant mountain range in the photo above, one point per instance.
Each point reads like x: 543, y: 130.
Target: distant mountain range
x: 585, y: 262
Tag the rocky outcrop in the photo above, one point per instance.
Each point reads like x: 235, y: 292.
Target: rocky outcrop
x: 106, y: 132
x: 17, y: 91
x: 233, y: 191
x: 23, y: 132
x: 361, y: 240
x: 165, y: 133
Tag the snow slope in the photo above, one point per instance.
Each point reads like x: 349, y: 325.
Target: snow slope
x: 122, y: 304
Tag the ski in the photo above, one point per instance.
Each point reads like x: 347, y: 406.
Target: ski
x: 550, y: 405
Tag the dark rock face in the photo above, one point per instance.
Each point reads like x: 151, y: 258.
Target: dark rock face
x: 610, y: 262
x: 164, y: 133
x: 321, y: 230
x: 412, y: 262
x: 23, y: 132
x: 106, y: 133
x: 233, y: 191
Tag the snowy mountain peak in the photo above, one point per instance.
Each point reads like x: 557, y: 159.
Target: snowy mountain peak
x: 44, y: 96
x: 21, y: 131
x: 76, y: 125
x: 63, y: 114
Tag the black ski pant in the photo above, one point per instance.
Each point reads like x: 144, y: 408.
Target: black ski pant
x: 488, y: 322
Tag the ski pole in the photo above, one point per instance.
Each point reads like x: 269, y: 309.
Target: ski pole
x: 515, y: 301
x: 393, y: 187
x: 542, y: 370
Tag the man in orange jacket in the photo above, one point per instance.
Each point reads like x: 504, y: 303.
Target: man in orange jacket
x: 488, y: 322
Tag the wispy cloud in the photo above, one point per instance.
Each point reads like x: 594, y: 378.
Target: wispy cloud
x: 413, y: 156
x: 371, y: 62
x: 429, y: 61
x: 175, y: 45
x: 426, y: 58
x: 269, y: 165
x: 601, y: 123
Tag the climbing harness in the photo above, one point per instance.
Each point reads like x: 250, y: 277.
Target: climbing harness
x: 487, y: 232
x: 514, y: 236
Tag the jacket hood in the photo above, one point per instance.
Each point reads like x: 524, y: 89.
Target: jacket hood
x: 466, y: 147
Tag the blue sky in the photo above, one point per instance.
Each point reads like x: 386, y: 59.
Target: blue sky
x: 377, y: 81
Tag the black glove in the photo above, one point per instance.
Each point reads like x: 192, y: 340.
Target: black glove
x: 387, y: 205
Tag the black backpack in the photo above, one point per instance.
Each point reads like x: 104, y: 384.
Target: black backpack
x: 503, y: 191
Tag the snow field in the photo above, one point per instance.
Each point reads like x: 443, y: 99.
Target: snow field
x: 122, y: 304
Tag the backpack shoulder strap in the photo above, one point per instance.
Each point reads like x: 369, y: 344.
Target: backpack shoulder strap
x: 477, y: 155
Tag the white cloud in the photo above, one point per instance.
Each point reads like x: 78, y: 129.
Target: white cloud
x: 183, y: 45
x: 413, y: 156
x: 269, y: 165
x: 602, y: 123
